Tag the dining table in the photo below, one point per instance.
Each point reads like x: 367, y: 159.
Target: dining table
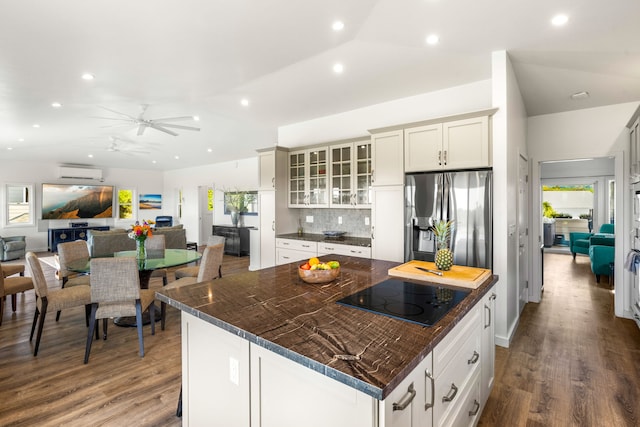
x: 155, y: 260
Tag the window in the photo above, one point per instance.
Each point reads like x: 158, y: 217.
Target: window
x: 125, y: 204
x: 19, y: 204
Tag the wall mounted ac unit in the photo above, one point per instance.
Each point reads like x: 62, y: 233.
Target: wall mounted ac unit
x: 66, y: 172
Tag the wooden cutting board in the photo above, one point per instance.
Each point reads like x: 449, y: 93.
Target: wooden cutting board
x: 459, y: 275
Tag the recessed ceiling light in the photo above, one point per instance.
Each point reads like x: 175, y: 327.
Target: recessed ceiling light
x: 337, y: 26
x: 560, y: 20
x: 196, y: 118
x: 210, y: 150
x: 9, y: 148
x: 153, y: 161
x: 177, y: 157
x: 90, y: 155
x: 88, y: 76
x: 580, y: 95
x: 432, y: 39
x: 35, y: 125
x: 21, y: 139
x: 244, y: 102
x: 56, y: 105
x: 338, y: 68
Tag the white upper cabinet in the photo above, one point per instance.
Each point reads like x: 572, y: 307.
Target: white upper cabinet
x: 388, y: 158
x: 350, y: 174
x: 308, y: 178
x: 267, y: 166
x: 458, y: 144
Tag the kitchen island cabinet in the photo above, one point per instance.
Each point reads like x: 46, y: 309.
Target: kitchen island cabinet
x: 267, y: 349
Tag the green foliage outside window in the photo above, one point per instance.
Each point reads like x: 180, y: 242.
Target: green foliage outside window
x: 125, y: 204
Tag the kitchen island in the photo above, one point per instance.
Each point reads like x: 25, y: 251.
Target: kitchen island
x: 264, y: 348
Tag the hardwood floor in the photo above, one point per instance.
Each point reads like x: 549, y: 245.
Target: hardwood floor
x: 116, y: 387
x: 571, y: 362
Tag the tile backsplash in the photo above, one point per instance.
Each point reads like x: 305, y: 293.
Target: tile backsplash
x: 356, y: 222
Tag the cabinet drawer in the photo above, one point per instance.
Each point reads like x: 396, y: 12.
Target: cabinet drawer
x: 448, y: 349
x: 338, y: 249
x: 285, y: 256
x: 301, y: 245
x: 467, y: 412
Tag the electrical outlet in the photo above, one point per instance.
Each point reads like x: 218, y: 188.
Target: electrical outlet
x: 339, y: 220
x: 234, y: 371
x: 366, y: 220
x: 310, y: 218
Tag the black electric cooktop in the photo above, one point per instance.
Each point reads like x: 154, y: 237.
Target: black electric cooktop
x: 418, y: 303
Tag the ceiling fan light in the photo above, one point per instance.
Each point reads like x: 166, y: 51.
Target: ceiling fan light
x: 196, y: 118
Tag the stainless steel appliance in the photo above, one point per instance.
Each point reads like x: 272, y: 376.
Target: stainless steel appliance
x: 462, y: 196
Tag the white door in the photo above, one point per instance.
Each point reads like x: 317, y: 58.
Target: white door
x: 205, y: 215
x: 523, y: 232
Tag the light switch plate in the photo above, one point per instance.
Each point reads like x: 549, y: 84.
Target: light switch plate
x: 309, y: 218
x: 339, y: 220
x: 366, y: 220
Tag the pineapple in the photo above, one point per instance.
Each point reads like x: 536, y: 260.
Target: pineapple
x: 444, y: 257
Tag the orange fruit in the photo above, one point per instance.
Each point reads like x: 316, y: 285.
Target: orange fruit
x: 313, y: 261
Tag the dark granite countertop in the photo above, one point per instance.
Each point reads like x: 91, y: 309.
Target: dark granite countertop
x: 343, y: 240
x: 275, y: 309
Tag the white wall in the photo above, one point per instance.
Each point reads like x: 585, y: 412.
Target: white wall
x: 355, y: 123
x: 589, y: 133
x: 509, y: 142
x: 141, y: 181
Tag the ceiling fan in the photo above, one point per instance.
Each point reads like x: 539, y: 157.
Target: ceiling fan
x: 124, y: 145
x: 143, y: 123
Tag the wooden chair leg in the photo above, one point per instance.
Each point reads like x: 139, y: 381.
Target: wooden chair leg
x: 92, y: 327
x: 40, y: 325
x: 33, y: 325
x: 105, y: 323
x: 139, y: 327
x: 14, y: 302
x: 2, y: 300
x: 152, y: 317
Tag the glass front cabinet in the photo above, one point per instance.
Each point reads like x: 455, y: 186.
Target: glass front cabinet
x: 308, y: 178
x: 351, y: 174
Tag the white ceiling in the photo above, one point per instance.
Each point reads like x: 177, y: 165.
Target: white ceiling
x: 200, y: 57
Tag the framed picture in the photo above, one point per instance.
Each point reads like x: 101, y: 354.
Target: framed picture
x: 246, y: 202
x: 150, y: 201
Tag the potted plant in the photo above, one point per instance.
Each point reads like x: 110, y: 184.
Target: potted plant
x: 238, y: 202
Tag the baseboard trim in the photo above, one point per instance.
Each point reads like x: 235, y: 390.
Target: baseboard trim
x: 505, y: 342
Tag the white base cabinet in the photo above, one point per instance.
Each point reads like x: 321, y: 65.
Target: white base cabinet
x: 290, y: 250
x: 240, y: 384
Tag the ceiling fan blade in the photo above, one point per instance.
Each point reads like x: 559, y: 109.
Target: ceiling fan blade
x: 162, y: 129
x: 168, y: 125
x: 141, y: 128
x: 143, y: 108
x: 117, y: 112
x: 108, y: 118
x: 172, y: 119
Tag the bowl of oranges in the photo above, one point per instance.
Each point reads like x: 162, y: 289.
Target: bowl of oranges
x: 316, y: 271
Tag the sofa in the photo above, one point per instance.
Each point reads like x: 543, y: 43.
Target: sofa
x: 12, y: 248
x: 105, y: 243
x: 579, y: 243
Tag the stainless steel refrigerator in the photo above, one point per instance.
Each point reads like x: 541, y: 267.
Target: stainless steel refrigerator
x: 462, y: 196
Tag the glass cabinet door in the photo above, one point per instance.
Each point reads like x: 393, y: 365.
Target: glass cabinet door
x: 363, y: 173
x: 318, y: 177
x: 341, y: 189
x: 351, y: 174
x: 297, y: 188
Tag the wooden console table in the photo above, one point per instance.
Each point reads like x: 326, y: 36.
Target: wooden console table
x: 61, y: 235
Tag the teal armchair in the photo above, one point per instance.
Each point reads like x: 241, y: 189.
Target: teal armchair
x: 601, y: 258
x: 579, y: 243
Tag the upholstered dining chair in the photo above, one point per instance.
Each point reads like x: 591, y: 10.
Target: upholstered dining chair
x: 53, y: 299
x: 208, y: 270
x: 11, y: 269
x: 12, y: 286
x: 155, y: 246
x: 192, y: 271
x: 69, y: 252
x: 115, y: 291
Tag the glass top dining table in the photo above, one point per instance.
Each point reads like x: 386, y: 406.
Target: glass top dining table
x: 154, y: 261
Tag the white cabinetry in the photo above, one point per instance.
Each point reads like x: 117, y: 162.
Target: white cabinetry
x: 457, y: 144
x: 387, y: 223
x: 488, y: 305
x: 326, y: 248
x: 290, y: 250
x: 634, y: 146
x: 272, y: 202
x: 308, y: 178
x: 388, y: 158
x: 351, y: 174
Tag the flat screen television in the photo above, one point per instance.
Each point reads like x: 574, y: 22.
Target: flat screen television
x: 74, y: 201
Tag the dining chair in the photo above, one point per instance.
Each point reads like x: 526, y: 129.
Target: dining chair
x: 155, y: 246
x: 192, y: 271
x: 69, y: 252
x: 115, y: 292
x: 12, y: 286
x: 53, y: 299
x: 208, y: 270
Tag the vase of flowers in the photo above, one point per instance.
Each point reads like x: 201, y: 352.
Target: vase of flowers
x: 139, y: 233
x: 237, y: 203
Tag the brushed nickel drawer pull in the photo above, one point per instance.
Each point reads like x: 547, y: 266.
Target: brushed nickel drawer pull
x: 451, y: 395
x: 428, y: 375
x: 474, y: 358
x: 476, y: 408
x: 406, y: 399
x: 487, y: 309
